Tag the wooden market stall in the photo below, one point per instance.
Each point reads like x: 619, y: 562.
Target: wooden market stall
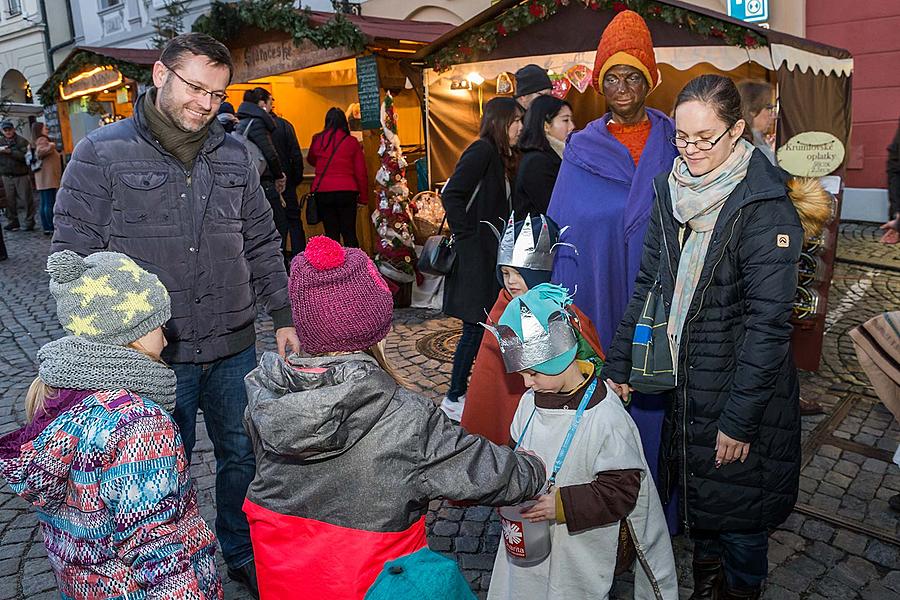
x: 465, y: 66
x: 306, y: 80
x: 93, y: 86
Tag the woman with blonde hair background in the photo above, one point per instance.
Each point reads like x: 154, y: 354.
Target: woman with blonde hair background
x: 759, y: 111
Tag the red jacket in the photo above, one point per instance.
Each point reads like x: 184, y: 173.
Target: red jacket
x: 347, y: 171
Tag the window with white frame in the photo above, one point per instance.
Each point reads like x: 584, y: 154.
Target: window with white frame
x: 104, y: 4
x: 15, y: 7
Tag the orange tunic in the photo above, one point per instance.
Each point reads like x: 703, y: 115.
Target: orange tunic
x: 634, y: 137
x: 494, y: 394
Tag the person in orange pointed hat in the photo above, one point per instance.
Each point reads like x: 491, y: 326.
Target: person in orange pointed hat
x: 606, y: 179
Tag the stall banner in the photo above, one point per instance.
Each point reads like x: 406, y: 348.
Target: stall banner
x: 369, y: 91
x: 811, y: 154
x: 275, y: 58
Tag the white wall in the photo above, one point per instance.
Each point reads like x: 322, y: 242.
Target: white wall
x: 129, y: 24
x: 22, y: 43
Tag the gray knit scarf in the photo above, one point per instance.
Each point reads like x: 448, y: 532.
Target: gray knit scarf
x: 80, y: 364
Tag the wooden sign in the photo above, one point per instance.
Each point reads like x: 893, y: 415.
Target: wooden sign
x: 88, y: 82
x: 369, y: 91
x: 275, y: 58
x: 811, y: 154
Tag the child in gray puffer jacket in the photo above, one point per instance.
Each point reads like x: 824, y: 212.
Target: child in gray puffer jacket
x: 347, y: 459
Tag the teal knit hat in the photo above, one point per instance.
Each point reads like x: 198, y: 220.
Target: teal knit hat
x: 106, y: 297
x: 543, y: 340
x: 422, y: 575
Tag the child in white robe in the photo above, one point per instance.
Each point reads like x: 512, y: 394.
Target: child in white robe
x: 602, y: 505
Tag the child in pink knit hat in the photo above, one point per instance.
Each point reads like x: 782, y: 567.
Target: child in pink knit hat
x: 346, y: 459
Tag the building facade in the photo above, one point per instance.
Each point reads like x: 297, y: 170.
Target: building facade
x: 870, y: 32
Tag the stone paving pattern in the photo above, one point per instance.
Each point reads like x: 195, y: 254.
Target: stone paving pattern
x: 841, y: 542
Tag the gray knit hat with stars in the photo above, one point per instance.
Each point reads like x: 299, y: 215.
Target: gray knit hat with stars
x: 106, y: 297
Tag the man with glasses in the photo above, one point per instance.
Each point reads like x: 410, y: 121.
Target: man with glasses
x: 168, y: 188
x: 604, y: 191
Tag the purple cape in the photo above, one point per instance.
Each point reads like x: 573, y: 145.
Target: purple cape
x: 607, y: 202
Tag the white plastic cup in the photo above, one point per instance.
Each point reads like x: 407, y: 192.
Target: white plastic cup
x: 527, y: 543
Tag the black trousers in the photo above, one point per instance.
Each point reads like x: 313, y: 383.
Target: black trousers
x: 268, y: 186
x: 338, y: 213
x: 295, y: 226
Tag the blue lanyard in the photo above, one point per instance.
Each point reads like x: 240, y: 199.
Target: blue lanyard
x: 576, y: 420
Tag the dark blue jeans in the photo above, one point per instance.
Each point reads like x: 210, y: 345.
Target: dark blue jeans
x: 48, y: 199
x: 217, y: 389
x: 744, y: 556
x: 466, y: 350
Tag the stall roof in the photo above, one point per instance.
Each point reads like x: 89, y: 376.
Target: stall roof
x: 381, y: 28
x: 681, y: 37
x: 137, y: 56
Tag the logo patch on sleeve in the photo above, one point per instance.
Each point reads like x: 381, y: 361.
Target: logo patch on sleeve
x: 783, y: 240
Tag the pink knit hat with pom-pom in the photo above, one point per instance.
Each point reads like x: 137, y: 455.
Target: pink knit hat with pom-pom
x: 339, y: 301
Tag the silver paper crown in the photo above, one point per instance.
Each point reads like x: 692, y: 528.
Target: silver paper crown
x: 522, y: 252
x: 539, y: 345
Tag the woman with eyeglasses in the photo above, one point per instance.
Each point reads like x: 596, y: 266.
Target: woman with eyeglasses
x: 759, y: 112
x: 723, y: 241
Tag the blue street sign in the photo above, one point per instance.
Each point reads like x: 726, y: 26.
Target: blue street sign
x: 752, y: 11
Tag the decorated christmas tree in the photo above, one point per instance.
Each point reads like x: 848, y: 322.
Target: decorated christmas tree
x: 395, y: 252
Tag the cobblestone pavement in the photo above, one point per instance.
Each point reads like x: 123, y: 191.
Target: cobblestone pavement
x: 842, y: 541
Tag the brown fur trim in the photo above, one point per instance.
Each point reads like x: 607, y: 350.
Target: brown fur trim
x: 814, y: 205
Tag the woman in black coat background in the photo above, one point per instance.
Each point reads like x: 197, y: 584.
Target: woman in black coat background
x: 731, y: 438
x: 483, y: 177
x: 547, y: 124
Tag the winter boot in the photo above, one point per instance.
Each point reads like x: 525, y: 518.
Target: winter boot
x: 707, y: 578
x: 728, y: 593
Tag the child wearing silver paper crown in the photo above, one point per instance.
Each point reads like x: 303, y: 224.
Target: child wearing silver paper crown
x: 524, y: 260
x: 603, y: 507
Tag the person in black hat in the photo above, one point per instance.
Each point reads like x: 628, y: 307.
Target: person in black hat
x: 226, y: 117
x: 531, y: 82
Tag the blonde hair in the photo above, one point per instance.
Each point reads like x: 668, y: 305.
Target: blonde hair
x: 36, y: 397
x: 377, y: 352
x: 39, y: 392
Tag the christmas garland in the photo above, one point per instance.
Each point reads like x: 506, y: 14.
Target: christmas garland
x: 84, y: 61
x: 226, y: 19
x: 481, y: 40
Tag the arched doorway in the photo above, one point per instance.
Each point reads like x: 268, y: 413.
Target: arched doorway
x: 434, y: 13
x: 15, y: 88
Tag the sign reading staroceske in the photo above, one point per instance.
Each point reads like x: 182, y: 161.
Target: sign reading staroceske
x: 752, y: 11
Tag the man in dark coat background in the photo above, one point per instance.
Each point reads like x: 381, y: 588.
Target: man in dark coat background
x: 288, y: 148
x: 16, y: 177
x: 256, y: 122
x: 171, y: 190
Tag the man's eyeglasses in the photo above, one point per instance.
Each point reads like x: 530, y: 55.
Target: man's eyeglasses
x: 699, y: 144
x: 196, y: 90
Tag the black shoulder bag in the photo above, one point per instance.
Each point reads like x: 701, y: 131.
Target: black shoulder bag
x: 651, y: 355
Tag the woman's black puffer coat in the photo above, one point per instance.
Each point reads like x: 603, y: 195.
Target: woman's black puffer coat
x: 736, y: 372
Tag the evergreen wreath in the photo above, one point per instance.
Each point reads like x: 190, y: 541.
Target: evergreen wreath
x: 48, y: 93
x: 479, y: 41
x: 226, y: 19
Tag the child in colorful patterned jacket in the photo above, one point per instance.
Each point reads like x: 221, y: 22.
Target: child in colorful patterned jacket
x: 99, y: 457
